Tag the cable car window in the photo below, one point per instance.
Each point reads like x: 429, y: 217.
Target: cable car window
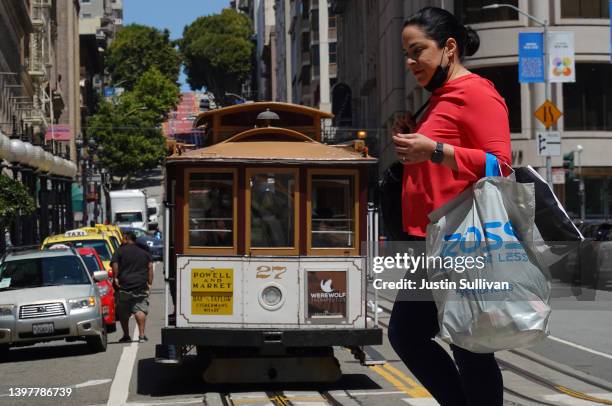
x: 272, y: 210
x: 211, y: 219
x: 333, y: 217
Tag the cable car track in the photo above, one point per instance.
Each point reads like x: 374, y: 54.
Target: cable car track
x: 544, y: 382
x: 280, y: 398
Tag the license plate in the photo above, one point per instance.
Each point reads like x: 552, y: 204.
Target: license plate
x: 42, y: 328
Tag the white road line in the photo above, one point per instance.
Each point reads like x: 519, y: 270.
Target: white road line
x: 571, y: 401
x: 421, y: 402
x: 92, y: 383
x: 120, y: 387
x: 365, y: 393
x: 580, y: 347
x: 189, y: 401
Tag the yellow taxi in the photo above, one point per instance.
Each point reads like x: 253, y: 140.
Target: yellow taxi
x: 112, y: 236
x: 111, y: 228
x: 79, y: 238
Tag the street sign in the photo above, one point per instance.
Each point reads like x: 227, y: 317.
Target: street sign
x: 548, y: 114
x: 558, y: 176
x: 549, y: 143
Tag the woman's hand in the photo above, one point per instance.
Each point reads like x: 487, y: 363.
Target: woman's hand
x: 413, y: 148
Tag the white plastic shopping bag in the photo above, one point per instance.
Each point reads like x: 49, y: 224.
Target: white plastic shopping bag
x: 501, y: 301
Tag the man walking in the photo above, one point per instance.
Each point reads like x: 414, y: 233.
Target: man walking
x: 133, y: 268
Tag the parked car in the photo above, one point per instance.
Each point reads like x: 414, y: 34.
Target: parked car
x: 107, y: 292
x: 49, y: 295
x: 590, y: 264
x: 101, y: 242
x: 154, y: 245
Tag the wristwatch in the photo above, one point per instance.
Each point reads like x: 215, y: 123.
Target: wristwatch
x: 438, y: 155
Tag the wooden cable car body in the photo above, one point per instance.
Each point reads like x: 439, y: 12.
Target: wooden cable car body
x: 266, y: 256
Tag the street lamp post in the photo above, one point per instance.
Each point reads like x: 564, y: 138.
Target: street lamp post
x: 544, y: 24
x: 581, y: 190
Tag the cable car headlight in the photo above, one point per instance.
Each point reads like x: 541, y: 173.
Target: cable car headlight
x: 271, y: 297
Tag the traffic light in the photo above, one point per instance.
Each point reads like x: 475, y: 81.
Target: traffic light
x: 568, y: 161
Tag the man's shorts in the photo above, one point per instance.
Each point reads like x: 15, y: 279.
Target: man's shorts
x: 128, y: 303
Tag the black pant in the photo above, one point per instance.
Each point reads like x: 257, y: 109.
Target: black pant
x: 412, y: 328
x: 478, y: 380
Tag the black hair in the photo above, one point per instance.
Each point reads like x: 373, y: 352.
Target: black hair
x: 130, y: 235
x: 440, y: 25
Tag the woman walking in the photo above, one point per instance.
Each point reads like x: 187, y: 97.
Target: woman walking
x: 443, y: 154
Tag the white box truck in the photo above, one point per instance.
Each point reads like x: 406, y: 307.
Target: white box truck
x: 129, y: 208
x: 153, y: 213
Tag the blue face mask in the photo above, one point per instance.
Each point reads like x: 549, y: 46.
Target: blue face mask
x: 439, y: 76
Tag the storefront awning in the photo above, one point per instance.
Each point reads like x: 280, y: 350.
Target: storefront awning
x: 58, y: 132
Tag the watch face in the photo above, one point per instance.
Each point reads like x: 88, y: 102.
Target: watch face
x: 438, y: 155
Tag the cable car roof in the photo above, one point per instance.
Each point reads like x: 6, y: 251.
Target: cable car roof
x: 230, y: 120
x: 273, y: 144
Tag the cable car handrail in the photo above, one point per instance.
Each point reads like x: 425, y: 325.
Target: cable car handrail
x: 285, y: 132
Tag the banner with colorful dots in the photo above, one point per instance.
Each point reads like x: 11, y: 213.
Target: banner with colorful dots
x: 561, y: 63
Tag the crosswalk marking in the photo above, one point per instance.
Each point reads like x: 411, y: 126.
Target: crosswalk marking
x: 421, y: 402
x: 415, y: 392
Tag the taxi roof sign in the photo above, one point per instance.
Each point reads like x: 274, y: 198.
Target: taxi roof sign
x: 548, y: 114
x: 75, y: 233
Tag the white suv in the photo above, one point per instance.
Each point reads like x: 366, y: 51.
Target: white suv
x: 49, y: 295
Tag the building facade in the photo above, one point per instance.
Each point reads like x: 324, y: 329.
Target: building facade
x: 586, y: 106
x: 38, y: 90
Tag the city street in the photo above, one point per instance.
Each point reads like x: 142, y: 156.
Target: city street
x: 578, y: 356
x: 268, y: 155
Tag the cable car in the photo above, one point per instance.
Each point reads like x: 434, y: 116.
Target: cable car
x: 266, y: 266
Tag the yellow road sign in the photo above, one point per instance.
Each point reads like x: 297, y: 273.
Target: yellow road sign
x: 548, y: 113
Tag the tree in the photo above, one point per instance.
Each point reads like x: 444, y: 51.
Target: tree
x: 131, y: 140
x: 217, y: 51
x: 156, y: 93
x: 136, y: 49
x: 14, y: 201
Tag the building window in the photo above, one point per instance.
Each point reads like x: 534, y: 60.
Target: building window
x: 585, y: 9
x: 305, y: 75
x: 314, y: 20
x: 332, y: 52
x: 85, y: 1
x: 505, y: 79
x: 86, y: 15
x: 305, y: 9
x: 305, y: 41
x: 471, y: 12
x: 314, y: 54
x: 332, y: 21
x: 587, y: 103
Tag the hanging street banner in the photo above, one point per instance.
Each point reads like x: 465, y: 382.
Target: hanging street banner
x: 561, y: 62
x: 531, y: 57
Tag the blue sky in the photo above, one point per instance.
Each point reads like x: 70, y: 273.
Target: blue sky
x: 171, y: 14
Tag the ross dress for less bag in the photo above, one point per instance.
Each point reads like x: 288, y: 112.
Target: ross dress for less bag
x: 501, y: 301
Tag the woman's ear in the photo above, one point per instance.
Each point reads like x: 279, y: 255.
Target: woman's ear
x: 451, y: 48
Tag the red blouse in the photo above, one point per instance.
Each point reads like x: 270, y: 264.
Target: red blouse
x: 469, y: 114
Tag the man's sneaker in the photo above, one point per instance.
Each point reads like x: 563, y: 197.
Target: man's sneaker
x: 125, y: 339
x: 143, y: 339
